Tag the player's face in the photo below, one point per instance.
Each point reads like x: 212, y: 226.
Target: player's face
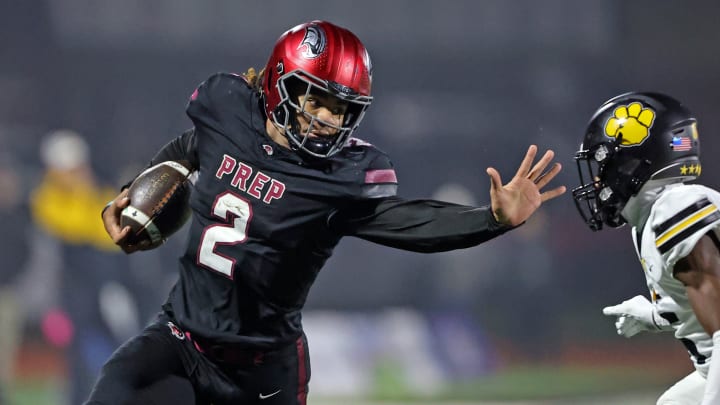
x: 321, y: 114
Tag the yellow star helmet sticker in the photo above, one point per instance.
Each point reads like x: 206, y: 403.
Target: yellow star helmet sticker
x: 632, y: 121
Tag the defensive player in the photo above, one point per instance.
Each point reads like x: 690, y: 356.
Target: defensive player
x: 639, y: 150
x: 281, y: 180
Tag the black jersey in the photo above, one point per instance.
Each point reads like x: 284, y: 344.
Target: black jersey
x: 265, y: 220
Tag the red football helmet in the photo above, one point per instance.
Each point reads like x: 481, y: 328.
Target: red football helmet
x: 321, y: 57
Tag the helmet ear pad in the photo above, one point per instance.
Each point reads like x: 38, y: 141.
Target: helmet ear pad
x: 625, y: 176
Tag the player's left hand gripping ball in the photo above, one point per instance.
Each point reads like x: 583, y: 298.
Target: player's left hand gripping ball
x: 159, y: 204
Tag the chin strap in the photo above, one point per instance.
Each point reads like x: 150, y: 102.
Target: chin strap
x: 712, y: 386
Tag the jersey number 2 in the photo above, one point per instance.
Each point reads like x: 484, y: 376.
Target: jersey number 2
x: 237, y: 213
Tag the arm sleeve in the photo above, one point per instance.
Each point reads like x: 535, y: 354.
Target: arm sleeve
x: 181, y: 149
x: 424, y: 226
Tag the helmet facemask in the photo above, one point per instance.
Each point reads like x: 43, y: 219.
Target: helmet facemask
x: 609, y: 179
x: 294, y: 85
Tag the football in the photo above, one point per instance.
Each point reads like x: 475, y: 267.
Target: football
x: 159, y: 203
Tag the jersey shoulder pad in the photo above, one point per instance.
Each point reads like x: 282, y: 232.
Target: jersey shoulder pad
x: 681, y: 216
x: 378, y: 176
x: 221, y: 98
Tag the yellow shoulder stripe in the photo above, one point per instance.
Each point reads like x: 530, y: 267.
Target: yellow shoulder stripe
x: 685, y: 224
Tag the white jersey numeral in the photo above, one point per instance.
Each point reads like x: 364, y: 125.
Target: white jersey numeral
x: 236, y: 213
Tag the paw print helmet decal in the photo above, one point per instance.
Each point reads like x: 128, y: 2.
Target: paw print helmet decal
x: 633, y: 138
x: 632, y: 122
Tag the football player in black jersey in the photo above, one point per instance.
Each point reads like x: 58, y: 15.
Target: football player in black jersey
x: 280, y: 180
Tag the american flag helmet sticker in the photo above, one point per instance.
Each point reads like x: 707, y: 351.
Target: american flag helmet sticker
x: 680, y: 143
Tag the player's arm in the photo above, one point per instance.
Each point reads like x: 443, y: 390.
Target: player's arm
x: 700, y: 272
x: 181, y: 149
x: 418, y: 225
x: 435, y: 226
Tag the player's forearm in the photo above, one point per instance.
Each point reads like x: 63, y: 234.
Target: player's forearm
x: 426, y: 225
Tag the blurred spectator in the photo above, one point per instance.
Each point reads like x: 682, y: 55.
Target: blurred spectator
x: 96, y: 310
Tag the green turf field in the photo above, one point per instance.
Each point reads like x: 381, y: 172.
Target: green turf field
x: 519, y: 385
x: 544, y: 385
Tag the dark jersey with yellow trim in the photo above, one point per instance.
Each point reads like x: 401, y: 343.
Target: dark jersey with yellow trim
x: 265, y: 220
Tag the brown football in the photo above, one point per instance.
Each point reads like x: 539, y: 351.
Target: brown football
x: 159, y: 203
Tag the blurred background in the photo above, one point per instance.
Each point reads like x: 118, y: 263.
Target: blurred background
x: 91, y: 89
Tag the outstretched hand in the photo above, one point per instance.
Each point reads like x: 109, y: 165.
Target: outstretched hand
x: 513, y: 203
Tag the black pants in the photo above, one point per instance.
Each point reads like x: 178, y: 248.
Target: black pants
x: 162, y: 361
